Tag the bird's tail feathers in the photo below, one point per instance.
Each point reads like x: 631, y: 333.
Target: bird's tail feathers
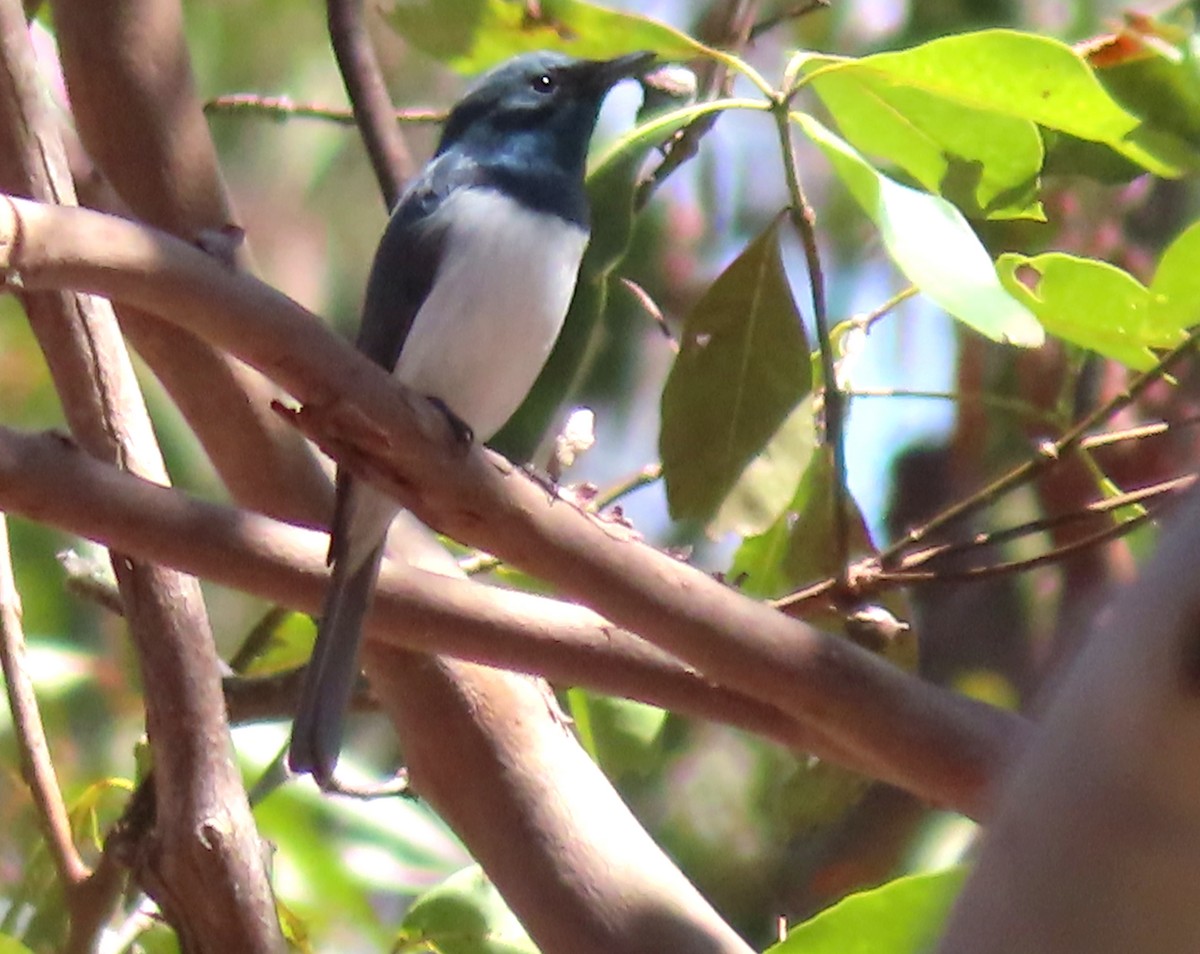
x: 333, y: 669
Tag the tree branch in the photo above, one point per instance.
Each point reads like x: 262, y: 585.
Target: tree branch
x: 48, y: 480
x: 204, y: 834
x: 90, y: 900
x: 134, y: 100
x: 373, y: 109
x: 932, y: 742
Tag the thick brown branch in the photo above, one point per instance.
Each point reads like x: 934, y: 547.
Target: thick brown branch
x: 931, y: 742
x: 46, y: 479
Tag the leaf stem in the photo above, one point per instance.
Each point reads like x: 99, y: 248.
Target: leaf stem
x: 804, y: 221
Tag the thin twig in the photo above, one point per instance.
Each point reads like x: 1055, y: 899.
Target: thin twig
x: 994, y: 401
x: 869, y: 579
x: 373, y: 109
x: 1048, y: 455
x: 281, y: 108
x: 650, y: 306
x: 623, y: 488
x: 729, y: 30
x: 804, y: 221
x: 30, y: 735
x: 90, y: 580
x: 794, y: 12
x: 1093, y: 509
x: 867, y: 321
x: 1058, y: 554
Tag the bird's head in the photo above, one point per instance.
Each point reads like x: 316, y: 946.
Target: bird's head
x: 542, y: 104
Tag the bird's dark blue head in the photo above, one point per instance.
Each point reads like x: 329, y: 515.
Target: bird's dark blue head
x: 536, y: 112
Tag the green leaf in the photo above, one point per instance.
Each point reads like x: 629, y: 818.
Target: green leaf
x: 10, y: 945
x: 799, y: 547
x: 1175, y: 291
x: 1091, y: 304
x: 463, y: 915
x: 984, y: 162
x: 472, y: 35
x: 1029, y: 77
x: 1161, y: 85
x: 932, y: 244
x: 903, y: 916
x: 1100, y: 307
x: 1017, y: 74
x: 736, y: 394
x: 762, y: 490
x: 623, y: 736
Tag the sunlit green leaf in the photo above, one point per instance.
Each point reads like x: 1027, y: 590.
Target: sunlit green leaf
x: 1100, y: 307
x: 1089, y: 303
x: 932, y: 244
x: 903, y: 916
x: 742, y: 373
x: 471, y: 35
x: 463, y: 915
x: 10, y: 945
x: 1018, y: 74
x: 1028, y: 77
x: 1175, y: 305
x: 984, y: 162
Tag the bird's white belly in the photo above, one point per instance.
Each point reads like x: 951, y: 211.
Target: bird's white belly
x: 502, y: 290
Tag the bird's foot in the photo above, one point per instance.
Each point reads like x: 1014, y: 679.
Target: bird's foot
x: 545, y: 481
x: 464, y: 434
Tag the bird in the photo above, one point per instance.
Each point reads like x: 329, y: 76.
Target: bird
x: 467, y: 293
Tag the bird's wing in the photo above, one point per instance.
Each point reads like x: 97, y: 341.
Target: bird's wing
x: 404, y: 270
x: 406, y: 262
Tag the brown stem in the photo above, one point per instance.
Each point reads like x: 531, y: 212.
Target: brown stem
x: 36, y: 764
x: 373, y: 109
x: 282, y: 108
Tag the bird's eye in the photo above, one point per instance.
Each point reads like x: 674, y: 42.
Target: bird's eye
x: 545, y: 83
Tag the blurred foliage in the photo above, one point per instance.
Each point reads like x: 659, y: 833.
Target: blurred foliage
x: 931, y: 143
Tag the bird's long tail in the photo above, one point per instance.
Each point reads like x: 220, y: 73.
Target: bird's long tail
x: 333, y: 668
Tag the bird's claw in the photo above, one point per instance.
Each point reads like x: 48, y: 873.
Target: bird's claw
x: 464, y: 434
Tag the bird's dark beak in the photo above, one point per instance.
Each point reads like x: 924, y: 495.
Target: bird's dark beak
x: 602, y: 74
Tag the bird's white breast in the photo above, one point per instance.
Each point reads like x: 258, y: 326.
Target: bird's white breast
x: 497, y: 305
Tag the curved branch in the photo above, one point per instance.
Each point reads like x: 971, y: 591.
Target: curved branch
x: 48, y: 480
x: 932, y: 742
